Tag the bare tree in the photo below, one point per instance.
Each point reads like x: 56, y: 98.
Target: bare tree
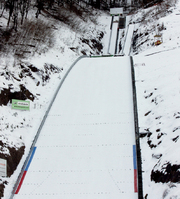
x: 50, y: 3
x: 22, y: 7
x: 15, y: 15
x: 10, y: 6
x: 27, y: 7
x: 40, y: 7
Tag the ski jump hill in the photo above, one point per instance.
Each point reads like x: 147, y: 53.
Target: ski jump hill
x: 86, y: 145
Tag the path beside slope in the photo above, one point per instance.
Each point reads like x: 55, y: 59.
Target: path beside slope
x: 85, y: 149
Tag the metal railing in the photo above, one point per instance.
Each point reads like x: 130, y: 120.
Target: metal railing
x: 136, y: 124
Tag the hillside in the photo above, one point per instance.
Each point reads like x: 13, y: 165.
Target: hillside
x: 157, y: 83
x: 33, y: 61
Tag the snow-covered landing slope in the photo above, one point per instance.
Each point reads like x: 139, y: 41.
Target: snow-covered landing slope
x: 85, y: 149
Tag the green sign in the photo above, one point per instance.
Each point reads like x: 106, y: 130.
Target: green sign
x: 20, y: 104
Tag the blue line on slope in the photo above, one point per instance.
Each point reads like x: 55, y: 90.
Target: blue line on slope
x: 134, y: 156
x: 30, y: 159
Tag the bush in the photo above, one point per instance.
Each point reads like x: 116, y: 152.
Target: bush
x: 32, y: 36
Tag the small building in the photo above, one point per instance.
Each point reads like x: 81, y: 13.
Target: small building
x: 116, y: 11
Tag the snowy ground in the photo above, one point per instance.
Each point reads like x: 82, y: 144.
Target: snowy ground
x: 18, y: 128
x: 157, y: 81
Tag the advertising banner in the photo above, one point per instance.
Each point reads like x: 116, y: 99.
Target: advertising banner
x: 20, y: 104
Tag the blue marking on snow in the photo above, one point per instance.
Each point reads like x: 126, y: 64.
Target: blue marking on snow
x: 134, y: 156
x: 29, y: 162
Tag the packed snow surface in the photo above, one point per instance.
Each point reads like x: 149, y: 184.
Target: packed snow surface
x: 85, y: 148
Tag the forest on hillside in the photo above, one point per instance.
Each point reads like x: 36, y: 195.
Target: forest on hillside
x: 20, y: 29
x: 19, y: 8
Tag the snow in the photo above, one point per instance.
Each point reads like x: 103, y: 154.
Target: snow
x: 113, y: 36
x: 86, y: 144
x: 20, y: 127
x: 158, y: 74
x: 128, y: 41
x: 157, y: 83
